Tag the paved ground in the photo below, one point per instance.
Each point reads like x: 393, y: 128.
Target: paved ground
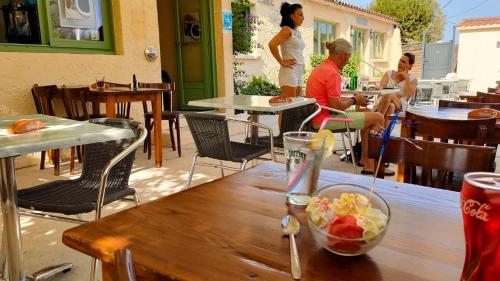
x: 42, y: 238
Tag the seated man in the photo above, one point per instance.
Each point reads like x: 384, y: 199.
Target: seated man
x: 324, y: 84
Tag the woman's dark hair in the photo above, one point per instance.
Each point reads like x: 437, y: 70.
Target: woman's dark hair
x: 286, y: 11
x: 411, y: 58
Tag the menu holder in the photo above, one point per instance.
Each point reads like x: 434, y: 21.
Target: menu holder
x: 483, y: 113
x: 279, y: 99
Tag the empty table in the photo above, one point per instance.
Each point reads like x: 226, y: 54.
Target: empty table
x: 59, y: 133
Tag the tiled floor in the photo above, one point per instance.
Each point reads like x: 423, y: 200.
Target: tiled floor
x: 42, y: 238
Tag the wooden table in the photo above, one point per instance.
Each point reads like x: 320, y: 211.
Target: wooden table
x: 447, y: 113
x: 229, y: 229
x: 111, y: 96
x: 59, y: 132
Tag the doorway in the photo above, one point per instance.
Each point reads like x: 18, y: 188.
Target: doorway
x: 187, y: 49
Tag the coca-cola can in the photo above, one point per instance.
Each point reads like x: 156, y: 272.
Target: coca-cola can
x: 480, y: 200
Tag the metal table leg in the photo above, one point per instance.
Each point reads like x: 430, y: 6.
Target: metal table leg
x: 12, y: 225
x: 12, y: 246
x: 254, y: 133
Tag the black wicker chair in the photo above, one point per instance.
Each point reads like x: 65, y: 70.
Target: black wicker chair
x: 291, y: 120
x: 104, y: 179
x: 211, y: 137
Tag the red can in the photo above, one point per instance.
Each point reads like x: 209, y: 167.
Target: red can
x: 480, y: 199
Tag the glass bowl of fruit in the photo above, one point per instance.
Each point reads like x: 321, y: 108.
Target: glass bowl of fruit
x: 348, y: 220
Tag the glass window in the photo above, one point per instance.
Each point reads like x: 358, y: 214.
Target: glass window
x: 19, y: 23
x: 378, y: 42
x: 76, y: 20
x: 323, y: 32
x: 358, y: 43
x: 76, y: 24
x: 315, y: 37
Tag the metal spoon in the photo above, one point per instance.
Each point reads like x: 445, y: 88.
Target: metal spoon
x: 291, y: 227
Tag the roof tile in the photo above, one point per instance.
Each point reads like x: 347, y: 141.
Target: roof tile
x: 479, y: 21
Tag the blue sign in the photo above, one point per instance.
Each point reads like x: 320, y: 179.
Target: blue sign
x: 227, y: 21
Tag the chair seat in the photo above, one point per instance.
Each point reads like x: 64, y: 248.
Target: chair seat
x: 164, y: 114
x: 69, y: 197
x: 245, y: 152
x: 265, y: 140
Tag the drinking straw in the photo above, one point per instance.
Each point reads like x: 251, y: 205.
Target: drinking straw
x: 305, y: 169
x: 298, y: 176
x: 387, y: 135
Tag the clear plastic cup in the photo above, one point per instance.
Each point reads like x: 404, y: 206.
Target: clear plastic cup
x: 303, y: 164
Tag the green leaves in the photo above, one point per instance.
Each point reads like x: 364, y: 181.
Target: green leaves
x: 259, y: 86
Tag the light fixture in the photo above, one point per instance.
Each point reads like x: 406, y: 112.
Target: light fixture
x: 372, y: 33
x: 352, y: 31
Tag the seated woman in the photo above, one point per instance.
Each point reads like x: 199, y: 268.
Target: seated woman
x: 400, y: 79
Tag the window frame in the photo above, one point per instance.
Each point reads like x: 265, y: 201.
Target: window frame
x: 50, y: 44
x: 374, y: 39
x: 316, y: 27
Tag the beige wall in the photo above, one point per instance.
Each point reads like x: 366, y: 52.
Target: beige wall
x: 261, y: 61
x: 136, y: 26
x: 479, y: 62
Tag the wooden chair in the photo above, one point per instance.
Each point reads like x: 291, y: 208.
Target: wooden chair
x: 75, y: 104
x: 484, y: 98
x: 468, y: 105
x: 43, y: 98
x: 492, y: 90
x: 122, y: 109
x: 431, y: 158
x: 167, y: 114
x: 124, y: 266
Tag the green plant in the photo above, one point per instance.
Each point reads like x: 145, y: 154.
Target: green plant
x: 244, y: 27
x: 352, y: 67
x: 239, y: 76
x: 316, y: 59
x: 259, y: 86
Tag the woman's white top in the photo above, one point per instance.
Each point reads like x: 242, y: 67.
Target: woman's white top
x: 401, y: 85
x: 293, y: 47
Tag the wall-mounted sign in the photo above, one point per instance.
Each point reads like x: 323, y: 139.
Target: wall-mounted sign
x: 362, y: 21
x: 227, y: 21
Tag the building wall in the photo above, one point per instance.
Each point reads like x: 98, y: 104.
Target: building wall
x: 479, y: 62
x: 136, y: 26
x: 262, y: 63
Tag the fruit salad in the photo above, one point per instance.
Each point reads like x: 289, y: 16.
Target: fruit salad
x: 349, y: 217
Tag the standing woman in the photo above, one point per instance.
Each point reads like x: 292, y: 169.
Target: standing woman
x: 291, y: 74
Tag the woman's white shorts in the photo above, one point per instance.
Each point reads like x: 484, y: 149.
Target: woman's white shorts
x: 292, y: 77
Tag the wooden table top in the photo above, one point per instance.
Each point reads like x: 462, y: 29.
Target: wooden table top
x: 448, y: 113
x: 229, y: 229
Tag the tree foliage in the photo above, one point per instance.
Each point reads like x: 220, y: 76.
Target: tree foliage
x: 414, y: 16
